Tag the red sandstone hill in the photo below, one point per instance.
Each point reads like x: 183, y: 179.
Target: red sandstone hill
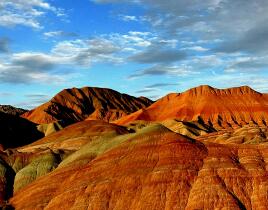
x: 76, y: 135
x: 152, y: 169
x: 219, y: 107
x: 73, y: 105
x: 98, y: 165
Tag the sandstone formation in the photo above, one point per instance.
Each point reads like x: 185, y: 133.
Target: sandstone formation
x: 154, y: 168
x: 39, y: 165
x: 220, y: 108
x: 247, y: 134
x: 133, y: 175
x: 191, y: 129
x: 28, y: 163
x: 50, y: 128
x: 73, y: 105
x: 205, y: 148
x: 74, y: 136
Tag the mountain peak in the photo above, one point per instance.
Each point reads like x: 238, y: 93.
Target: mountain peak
x: 221, y: 107
x: 202, y: 89
x: 77, y: 104
x: 207, y: 90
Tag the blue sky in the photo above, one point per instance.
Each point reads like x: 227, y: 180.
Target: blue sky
x: 139, y: 47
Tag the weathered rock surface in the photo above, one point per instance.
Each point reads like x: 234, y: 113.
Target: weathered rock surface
x: 149, y: 171
x: 154, y: 168
x: 191, y: 129
x: 221, y: 108
x: 247, y: 134
x: 73, y: 105
x: 202, y: 149
x: 39, y: 165
x: 76, y: 135
x: 50, y: 128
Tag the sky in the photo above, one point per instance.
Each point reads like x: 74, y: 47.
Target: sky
x: 140, y: 47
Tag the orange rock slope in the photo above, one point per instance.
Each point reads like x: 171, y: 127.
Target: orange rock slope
x: 72, y: 105
x: 74, y: 136
x: 219, y: 107
x: 155, y: 169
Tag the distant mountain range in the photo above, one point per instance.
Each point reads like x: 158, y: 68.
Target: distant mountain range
x: 12, y: 110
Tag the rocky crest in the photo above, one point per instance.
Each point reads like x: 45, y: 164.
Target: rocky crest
x: 73, y: 105
x: 221, y: 108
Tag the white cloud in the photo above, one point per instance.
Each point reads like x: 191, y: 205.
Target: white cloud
x: 196, y: 48
x: 133, y: 39
x: 128, y: 18
x: 53, y: 33
x: 85, y: 52
x: 10, y: 20
x: 26, y: 13
x: 27, y: 67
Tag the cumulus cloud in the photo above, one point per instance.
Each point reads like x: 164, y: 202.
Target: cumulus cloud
x: 26, y: 13
x: 86, y: 52
x: 22, y: 72
x: 215, y: 28
x: 27, y: 67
